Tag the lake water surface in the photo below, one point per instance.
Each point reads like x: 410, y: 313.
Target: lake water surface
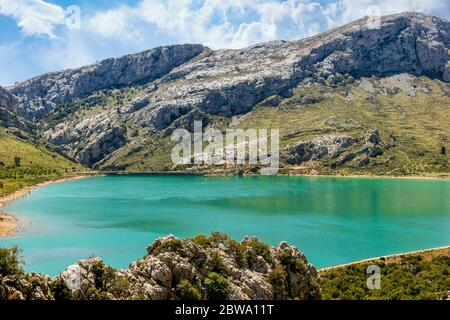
x: 332, y: 220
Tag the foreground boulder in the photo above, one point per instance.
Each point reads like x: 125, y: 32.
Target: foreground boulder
x: 214, y: 268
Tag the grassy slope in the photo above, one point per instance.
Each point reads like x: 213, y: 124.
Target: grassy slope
x: 424, y: 276
x: 37, y: 164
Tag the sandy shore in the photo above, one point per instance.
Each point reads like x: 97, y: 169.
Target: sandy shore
x: 8, y: 223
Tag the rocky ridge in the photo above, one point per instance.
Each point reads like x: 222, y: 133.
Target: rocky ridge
x: 8, y: 115
x: 42, y: 94
x: 213, y: 267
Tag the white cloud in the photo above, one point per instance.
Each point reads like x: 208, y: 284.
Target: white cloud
x: 216, y: 23
x: 213, y: 22
x: 354, y: 9
x: 34, y: 17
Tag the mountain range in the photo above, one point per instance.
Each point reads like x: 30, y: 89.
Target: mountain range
x: 353, y: 100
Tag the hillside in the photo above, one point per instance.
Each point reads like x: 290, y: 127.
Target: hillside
x: 25, y: 158
x: 353, y: 100
x: 24, y: 163
x: 418, y: 276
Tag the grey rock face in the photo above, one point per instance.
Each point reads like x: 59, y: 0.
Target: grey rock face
x: 103, y: 145
x: 42, y: 94
x: 91, y: 140
x: 8, y: 117
x: 7, y: 100
x: 319, y: 148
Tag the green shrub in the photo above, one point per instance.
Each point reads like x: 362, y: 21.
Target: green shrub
x: 186, y: 291
x: 11, y: 262
x: 216, y: 286
x: 174, y: 245
x: 104, y: 276
x: 202, y: 241
x: 218, y: 264
x: 17, y: 161
x: 261, y: 249
x: 238, y: 252
x: 120, y: 287
x: 278, y: 281
x: 60, y: 290
x: 409, y: 278
x: 217, y: 237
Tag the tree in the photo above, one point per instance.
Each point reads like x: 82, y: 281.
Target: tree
x: 10, y: 262
x: 186, y: 291
x: 17, y: 161
x: 216, y: 286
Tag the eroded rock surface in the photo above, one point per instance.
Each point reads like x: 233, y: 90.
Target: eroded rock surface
x: 175, y: 269
x: 42, y: 94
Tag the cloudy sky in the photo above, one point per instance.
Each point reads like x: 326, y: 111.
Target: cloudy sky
x: 38, y: 36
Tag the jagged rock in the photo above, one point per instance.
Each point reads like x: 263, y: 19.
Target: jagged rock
x: 344, y: 159
x: 42, y: 94
x: 374, y: 137
x: 187, y: 121
x: 447, y: 73
x: 318, y: 148
x: 364, y: 162
x: 89, y: 141
x: 8, y: 116
x: 245, y: 266
x: 103, y: 145
x: 7, y: 100
x: 374, y: 151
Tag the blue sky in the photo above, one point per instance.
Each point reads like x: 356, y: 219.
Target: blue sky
x: 38, y: 36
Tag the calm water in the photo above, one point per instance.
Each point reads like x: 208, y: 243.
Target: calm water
x: 332, y: 220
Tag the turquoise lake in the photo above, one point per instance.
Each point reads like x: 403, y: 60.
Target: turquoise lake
x: 332, y: 220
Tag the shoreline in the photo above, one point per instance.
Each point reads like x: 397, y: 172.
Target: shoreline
x: 391, y: 256
x: 8, y: 222
x: 27, y: 190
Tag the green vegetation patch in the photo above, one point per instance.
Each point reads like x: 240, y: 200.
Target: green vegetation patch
x: 423, y: 276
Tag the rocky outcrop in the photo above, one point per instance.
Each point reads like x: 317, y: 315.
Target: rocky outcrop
x: 372, y: 148
x: 91, y: 140
x: 7, y: 100
x: 42, y: 94
x: 340, y: 147
x: 329, y: 146
x: 202, y: 268
x: 8, y: 117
